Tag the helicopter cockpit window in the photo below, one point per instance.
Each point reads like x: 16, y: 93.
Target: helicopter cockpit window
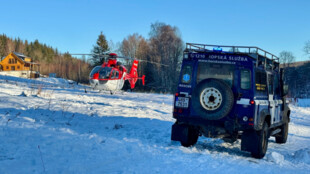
x: 104, y: 72
x: 95, y: 70
x: 114, y: 74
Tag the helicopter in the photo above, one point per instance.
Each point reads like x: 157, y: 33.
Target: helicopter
x: 111, y: 75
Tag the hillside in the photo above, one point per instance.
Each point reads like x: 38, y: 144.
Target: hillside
x: 296, y: 64
x: 297, y: 76
x: 50, y: 126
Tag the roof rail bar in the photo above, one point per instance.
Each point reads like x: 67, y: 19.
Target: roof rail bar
x: 236, y: 49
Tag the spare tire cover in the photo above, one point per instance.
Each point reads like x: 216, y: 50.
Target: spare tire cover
x: 212, y: 99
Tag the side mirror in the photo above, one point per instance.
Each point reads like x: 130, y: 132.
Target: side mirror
x: 285, y: 90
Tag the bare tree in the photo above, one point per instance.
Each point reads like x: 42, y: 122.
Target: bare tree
x: 130, y: 45
x: 135, y: 46
x: 307, y: 48
x: 166, y: 47
x: 286, y: 57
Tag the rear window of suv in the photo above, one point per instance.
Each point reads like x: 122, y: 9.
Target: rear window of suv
x: 224, y: 72
x: 245, y: 79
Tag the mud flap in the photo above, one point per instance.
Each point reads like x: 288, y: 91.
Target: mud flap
x: 179, y: 132
x: 250, y: 141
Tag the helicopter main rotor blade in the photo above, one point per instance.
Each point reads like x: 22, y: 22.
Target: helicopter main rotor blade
x: 123, y: 57
x: 118, y: 57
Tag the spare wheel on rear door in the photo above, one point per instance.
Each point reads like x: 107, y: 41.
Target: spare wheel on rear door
x: 212, y: 99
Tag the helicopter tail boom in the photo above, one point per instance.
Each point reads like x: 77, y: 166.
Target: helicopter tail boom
x: 132, y: 77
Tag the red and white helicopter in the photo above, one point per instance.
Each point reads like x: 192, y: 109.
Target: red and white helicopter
x: 111, y: 75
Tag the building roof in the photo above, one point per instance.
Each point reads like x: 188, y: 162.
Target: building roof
x: 20, y: 55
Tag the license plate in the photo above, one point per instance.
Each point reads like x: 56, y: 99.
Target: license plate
x: 181, y: 102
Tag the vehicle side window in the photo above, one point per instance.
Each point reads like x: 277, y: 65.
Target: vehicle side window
x: 261, y: 82
x: 113, y: 74
x: 186, y: 74
x: 116, y: 74
x: 245, y: 79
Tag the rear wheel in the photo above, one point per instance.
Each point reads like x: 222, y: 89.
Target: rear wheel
x: 192, y: 137
x: 262, y: 142
x: 282, y: 136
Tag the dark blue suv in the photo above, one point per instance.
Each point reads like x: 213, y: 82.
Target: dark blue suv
x: 231, y: 92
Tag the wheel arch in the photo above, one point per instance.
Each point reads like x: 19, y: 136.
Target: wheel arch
x: 263, y: 116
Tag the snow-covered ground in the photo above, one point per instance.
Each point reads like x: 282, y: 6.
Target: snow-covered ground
x: 51, y: 126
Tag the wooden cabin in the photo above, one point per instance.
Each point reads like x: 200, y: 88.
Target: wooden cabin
x: 19, y: 62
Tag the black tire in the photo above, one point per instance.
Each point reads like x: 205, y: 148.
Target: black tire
x: 263, y: 136
x: 222, y: 108
x: 192, y: 137
x: 282, y: 136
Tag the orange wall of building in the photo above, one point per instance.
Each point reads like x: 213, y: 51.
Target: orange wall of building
x: 11, y: 63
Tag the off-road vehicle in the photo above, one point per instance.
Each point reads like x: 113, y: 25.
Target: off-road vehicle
x: 231, y: 92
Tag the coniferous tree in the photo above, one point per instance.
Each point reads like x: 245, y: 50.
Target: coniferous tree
x: 3, y: 41
x: 99, y: 49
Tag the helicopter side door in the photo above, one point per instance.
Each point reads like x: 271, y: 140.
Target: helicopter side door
x: 115, y: 80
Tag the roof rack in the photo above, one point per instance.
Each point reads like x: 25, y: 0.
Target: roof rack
x: 263, y: 57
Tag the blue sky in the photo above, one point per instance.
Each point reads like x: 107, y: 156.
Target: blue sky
x: 74, y: 25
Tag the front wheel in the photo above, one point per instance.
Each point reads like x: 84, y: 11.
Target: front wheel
x: 262, y: 142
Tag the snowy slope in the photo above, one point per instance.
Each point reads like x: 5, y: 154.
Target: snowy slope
x: 55, y: 127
